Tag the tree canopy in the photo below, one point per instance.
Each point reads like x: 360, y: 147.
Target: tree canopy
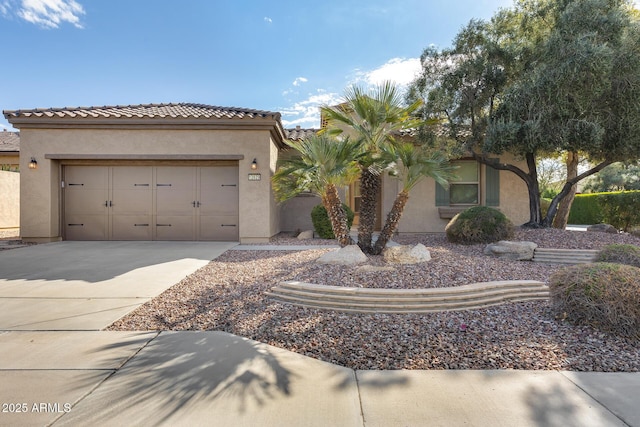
x: 543, y: 77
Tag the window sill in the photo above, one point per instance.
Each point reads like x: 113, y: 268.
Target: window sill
x: 448, y: 212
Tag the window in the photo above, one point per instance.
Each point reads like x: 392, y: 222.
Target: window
x: 465, y: 189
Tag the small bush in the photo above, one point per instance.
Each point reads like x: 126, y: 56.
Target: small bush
x: 585, y: 209
x: 620, y: 209
x: 479, y: 224
x: 620, y: 254
x: 605, y: 296
x: 322, y: 224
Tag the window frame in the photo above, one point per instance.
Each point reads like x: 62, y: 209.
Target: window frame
x: 476, y: 183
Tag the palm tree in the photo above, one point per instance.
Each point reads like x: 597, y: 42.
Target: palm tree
x: 323, y: 165
x: 412, y: 164
x: 373, y: 118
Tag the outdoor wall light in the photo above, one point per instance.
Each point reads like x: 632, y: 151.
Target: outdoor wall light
x: 254, y: 164
x: 33, y: 164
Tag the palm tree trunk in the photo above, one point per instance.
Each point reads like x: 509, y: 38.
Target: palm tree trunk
x: 391, y: 224
x: 369, y: 189
x: 337, y: 216
x: 562, y: 216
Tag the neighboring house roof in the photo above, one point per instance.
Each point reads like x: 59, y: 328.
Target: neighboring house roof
x: 180, y: 114
x: 184, y: 110
x: 9, y: 142
x: 298, y: 133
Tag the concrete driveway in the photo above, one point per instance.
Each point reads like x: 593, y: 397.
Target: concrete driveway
x: 89, y: 285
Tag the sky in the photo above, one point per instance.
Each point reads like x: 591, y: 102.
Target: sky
x: 289, y: 56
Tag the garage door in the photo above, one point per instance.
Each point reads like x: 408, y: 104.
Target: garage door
x: 151, y: 203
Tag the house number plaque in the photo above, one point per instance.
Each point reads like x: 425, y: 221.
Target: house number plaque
x: 255, y: 177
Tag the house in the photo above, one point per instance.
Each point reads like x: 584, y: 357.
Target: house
x: 9, y: 150
x: 9, y: 180
x: 148, y: 172
x: 430, y: 205
x: 194, y: 172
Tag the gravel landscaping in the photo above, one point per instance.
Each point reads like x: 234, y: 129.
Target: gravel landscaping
x: 228, y: 295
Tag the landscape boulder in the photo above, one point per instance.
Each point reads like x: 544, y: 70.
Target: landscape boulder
x: 602, y: 228
x: 349, y: 255
x: 406, y: 254
x: 518, y: 251
x: 304, y: 235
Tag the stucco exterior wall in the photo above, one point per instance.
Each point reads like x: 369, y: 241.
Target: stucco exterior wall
x: 11, y: 160
x: 10, y: 206
x: 40, y: 190
x: 421, y: 215
x: 295, y: 214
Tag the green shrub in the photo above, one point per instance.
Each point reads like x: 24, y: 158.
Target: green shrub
x: 585, y: 209
x: 479, y: 224
x: 322, y: 224
x: 620, y: 254
x: 605, y: 296
x: 544, y: 206
x: 620, y: 209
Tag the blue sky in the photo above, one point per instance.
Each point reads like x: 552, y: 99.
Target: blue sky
x: 287, y: 55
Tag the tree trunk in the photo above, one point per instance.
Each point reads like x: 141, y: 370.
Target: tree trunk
x: 535, y: 211
x: 391, y: 224
x: 337, y: 216
x: 369, y: 188
x: 564, y: 207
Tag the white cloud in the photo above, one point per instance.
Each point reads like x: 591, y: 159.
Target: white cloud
x: 306, y: 113
x: 268, y: 20
x: 300, y: 80
x: 398, y: 70
x: 5, y: 7
x: 45, y: 13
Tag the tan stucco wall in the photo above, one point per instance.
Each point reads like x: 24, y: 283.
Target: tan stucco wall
x: 421, y: 214
x: 295, y: 214
x: 10, y: 205
x: 40, y: 191
x: 9, y: 159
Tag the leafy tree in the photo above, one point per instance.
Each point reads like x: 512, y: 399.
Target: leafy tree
x: 547, y: 76
x: 323, y: 164
x: 615, y: 177
x: 373, y: 118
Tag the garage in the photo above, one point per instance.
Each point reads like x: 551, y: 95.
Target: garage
x: 150, y: 202
x: 148, y: 172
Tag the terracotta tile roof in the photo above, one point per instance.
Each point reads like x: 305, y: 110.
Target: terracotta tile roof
x: 9, y: 141
x: 180, y: 110
x: 298, y: 133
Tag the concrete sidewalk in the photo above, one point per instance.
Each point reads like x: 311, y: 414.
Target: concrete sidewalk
x: 213, y: 378
x: 58, y: 368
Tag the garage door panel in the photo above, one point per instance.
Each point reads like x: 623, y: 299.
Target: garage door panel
x: 176, y: 178
x: 87, y: 177
x: 219, y: 228
x: 175, y: 190
x: 92, y: 202
x: 219, y: 191
x: 169, y: 227
x: 132, y: 227
x: 86, y: 227
x: 132, y: 192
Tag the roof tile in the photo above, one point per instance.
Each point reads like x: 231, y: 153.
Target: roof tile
x: 9, y: 141
x: 298, y: 133
x: 184, y: 110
